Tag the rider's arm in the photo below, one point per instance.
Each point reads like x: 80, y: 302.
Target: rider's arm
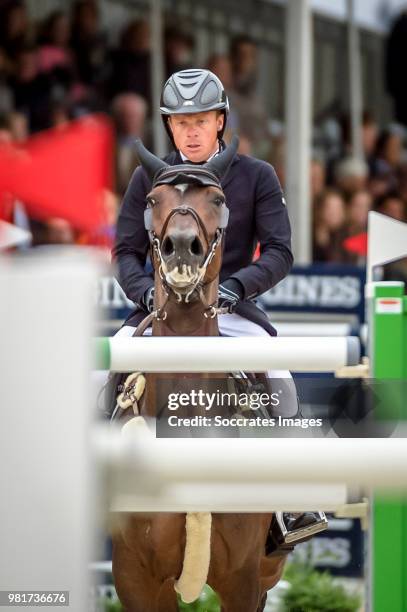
x: 273, y: 231
x: 131, y: 244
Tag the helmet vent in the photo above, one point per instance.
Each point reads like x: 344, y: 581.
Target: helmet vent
x: 188, y: 85
x: 191, y: 74
x: 210, y: 93
x: 169, y: 97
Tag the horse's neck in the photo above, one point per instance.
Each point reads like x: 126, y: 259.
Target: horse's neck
x: 187, y: 319
x: 181, y: 320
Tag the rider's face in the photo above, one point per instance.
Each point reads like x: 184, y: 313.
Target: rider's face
x: 196, y: 134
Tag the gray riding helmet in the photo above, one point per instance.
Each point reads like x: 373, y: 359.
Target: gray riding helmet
x: 193, y: 91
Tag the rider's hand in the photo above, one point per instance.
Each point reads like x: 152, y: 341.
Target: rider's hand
x: 230, y: 292
x: 148, y: 299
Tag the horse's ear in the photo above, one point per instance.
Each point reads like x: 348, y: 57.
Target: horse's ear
x: 150, y: 162
x: 220, y: 164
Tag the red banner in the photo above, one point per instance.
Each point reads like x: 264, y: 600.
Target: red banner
x: 61, y: 173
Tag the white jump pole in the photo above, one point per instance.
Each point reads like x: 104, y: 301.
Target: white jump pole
x: 258, y: 354
x: 46, y: 511
x: 228, y: 497
x: 370, y: 462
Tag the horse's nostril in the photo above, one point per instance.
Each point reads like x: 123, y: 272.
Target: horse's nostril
x: 196, y: 247
x: 182, y: 244
x: 167, y: 246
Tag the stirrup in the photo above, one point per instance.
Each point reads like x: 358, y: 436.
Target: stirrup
x: 296, y: 536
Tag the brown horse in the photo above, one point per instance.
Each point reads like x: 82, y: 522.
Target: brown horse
x: 186, y: 217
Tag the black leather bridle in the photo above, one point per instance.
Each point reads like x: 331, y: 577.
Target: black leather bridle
x: 177, y: 175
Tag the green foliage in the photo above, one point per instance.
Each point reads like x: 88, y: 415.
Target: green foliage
x: 207, y: 602
x: 108, y: 605
x: 314, y: 591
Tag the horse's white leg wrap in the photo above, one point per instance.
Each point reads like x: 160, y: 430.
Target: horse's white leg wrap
x: 197, y: 556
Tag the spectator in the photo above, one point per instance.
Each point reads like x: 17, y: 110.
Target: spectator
x: 220, y: 65
x: 359, y: 205
x: 129, y: 112
x: 6, y: 94
x: 378, y: 186
x: 388, y: 157
x: 54, y: 54
x: 15, y: 31
x: 317, y: 178
x: 18, y: 126
x: 243, y: 55
x: 344, y: 150
x: 328, y: 226
x: 60, y: 114
x: 88, y: 43
x: 131, y: 61
x: 6, y: 137
x: 59, y: 231
x: 351, y: 175
x: 402, y: 188
x: 252, y: 118
x: 13, y: 127
x: 391, y: 205
x: 32, y: 90
x: 369, y: 135
x: 179, y: 47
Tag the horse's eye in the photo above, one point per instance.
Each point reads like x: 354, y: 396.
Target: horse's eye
x: 219, y: 200
x: 151, y: 202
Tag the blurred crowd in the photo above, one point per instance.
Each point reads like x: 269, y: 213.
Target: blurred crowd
x: 66, y: 66
x: 344, y: 189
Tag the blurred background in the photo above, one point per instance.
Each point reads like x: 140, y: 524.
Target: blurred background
x: 315, y: 87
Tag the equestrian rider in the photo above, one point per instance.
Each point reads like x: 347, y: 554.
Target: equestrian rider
x: 194, y: 109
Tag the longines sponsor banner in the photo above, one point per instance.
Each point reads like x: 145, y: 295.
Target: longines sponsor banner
x: 319, y: 288
x: 316, y: 288
x: 110, y: 296
x: 339, y: 549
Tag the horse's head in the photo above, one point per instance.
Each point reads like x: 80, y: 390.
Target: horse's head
x: 186, y: 216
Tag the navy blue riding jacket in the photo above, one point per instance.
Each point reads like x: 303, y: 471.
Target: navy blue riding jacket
x: 257, y: 214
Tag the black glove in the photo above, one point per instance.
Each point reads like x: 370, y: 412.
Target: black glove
x: 148, y: 299
x: 230, y: 292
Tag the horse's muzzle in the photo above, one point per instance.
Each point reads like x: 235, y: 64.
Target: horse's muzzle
x: 183, y: 254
